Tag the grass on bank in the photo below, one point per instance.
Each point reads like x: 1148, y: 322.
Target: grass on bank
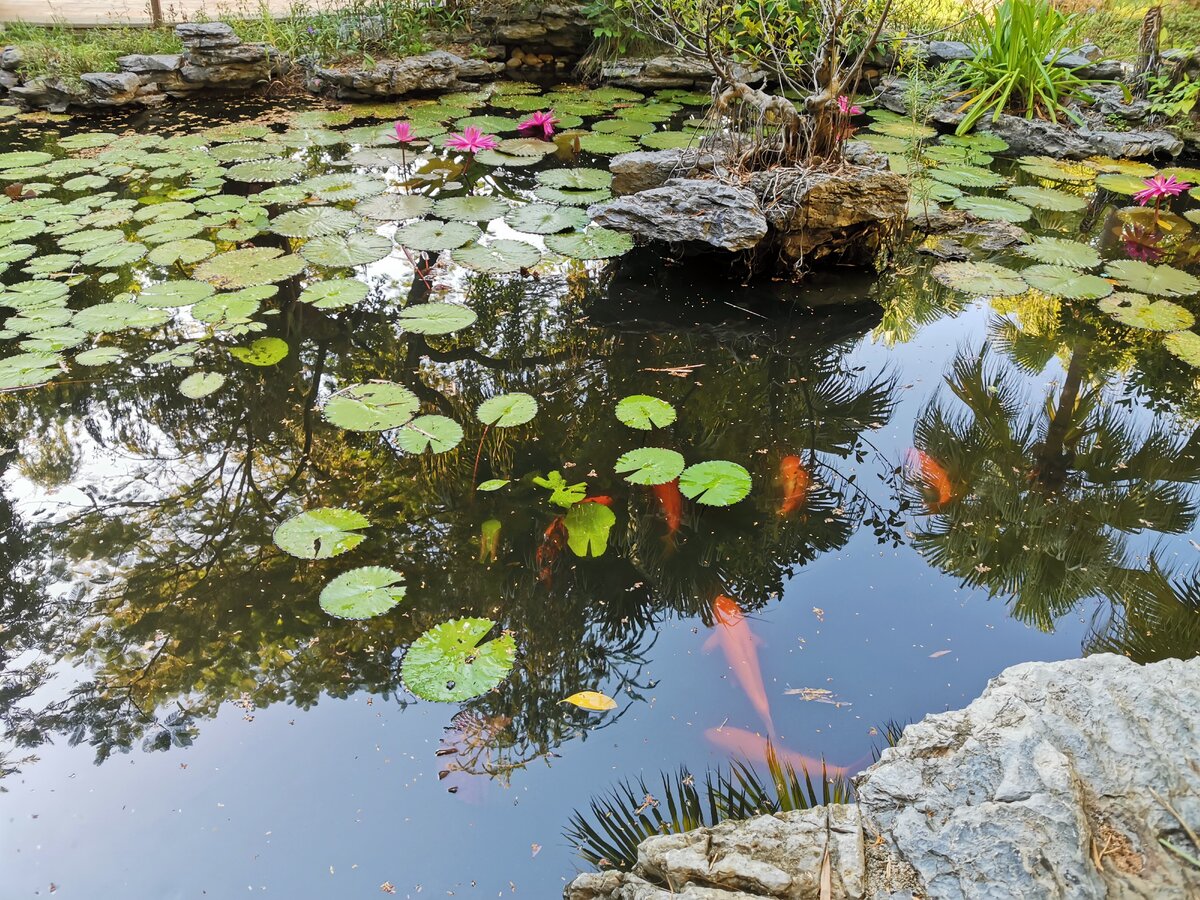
x: 69, y: 52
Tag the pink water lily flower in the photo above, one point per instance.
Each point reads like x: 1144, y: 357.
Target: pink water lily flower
x: 404, y: 133
x: 472, y: 140
x: 1159, y: 188
x: 846, y: 108
x: 541, y: 120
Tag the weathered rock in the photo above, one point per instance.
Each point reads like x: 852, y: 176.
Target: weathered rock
x: 520, y: 32
x: 434, y: 71
x: 472, y: 69
x: 11, y: 58
x: 688, y: 211
x: 206, y: 35
x: 146, y: 64
x: 937, y: 52
x: 114, y: 87
x: 54, y: 94
x: 1134, y: 144
x: 641, y: 170
x: 667, y: 72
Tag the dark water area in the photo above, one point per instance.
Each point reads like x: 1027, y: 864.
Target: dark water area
x: 943, y: 484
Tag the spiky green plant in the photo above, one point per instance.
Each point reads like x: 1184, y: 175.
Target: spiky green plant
x: 629, y: 813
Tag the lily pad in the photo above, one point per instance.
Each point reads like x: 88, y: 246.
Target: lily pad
x: 580, y: 179
x: 1162, y: 281
x: 993, y: 209
x: 644, y: 412
x: 249, y: 267
x: 498, y: 257
x: 117, y: 316
x: 1138, y: 311
x: 1061, y: 252
x: 650, y: 465
x: 979, y: 279
x: 28, y: 369
x: 265, y: 171
x: 437, y: 434
x: 967, y: 176
x: 373, y: 406
x: 717, y: 482
x: 344, y: 250
x: 569, y: 197
x: 266, y: 351
x: 362, y: 593
x: 201, y: 384
x: 667, y: 140
x: 435, y: 318
x: 1185, y: 345
x: 321, y: 533
x: 394, y: 207
x: 470, y: 209
x: 451, y: 663
x: 113, y: 256
x: 187, y: 252
x: 434, y: 236
x: 314, y: 221
x: 542, y: 218
x: 100, y: 356
x: 1047, y: 198
x: 349, y: 186
x: 1063, y: 281
x: 507, y: 410
x: 168, y: 294
x: 595, y: 243
x: 1120, y: 183
x: 334, y: 293
x: 588, y: 526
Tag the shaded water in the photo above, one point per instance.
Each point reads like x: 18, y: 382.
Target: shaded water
x: 183, y: 719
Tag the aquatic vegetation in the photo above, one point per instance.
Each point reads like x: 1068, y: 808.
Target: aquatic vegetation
x: 472, y: 140
x: 543, y: 121
x: 452, y: 662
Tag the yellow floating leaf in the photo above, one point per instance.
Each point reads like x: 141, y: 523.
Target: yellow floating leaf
x: 593, y: 700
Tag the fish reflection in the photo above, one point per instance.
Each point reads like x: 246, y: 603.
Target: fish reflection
x: 934, y: 477
x: 795, y: 479
x: 738, y: 644
x: 756, y: 748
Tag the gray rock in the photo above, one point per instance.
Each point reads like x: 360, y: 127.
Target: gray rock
x: 146, y: 64
x: 472, y: 69
x: 947, y: 51
x: 641, y: 170
x: 435, y: 71
x: 54, y: 94
x: 1134, y: 144
x: 117, y: 87
x: 686, y: 211
x: 206, y: 35
x: 242, y: 54
x: 667, y: 72
x: 520, y: 32
x: 10, y: 58
x: 1110, y: 100
x: 1039, y: 137
x: 8, y: 79
x: 1107, y: 70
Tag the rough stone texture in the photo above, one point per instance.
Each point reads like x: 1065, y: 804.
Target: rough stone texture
x: 850, y: 215
x: 1066, y: 141
x: 144, y: 64
x: 641, y: 170
x: 655, y: 73
x: 434, y: 71
x: 688, y: 211
x: 10, y: 58
x: 1042, y: 788
x: 115, y: 87
x: 206, y: 35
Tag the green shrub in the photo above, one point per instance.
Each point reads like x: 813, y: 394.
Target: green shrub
x: 69, y: 52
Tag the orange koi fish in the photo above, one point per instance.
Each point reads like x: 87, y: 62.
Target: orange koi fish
x: 754, y: 747
x: 933, y: 475
x: 553, y: 540
x: 795, y: 480
x: 737, y: 641
x: 672, y: 504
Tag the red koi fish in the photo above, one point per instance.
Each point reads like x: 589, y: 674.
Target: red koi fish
x: 795, y: 480
x: 672, y: 504
x: 553, y: 540
x: 737, y: 641
x: 933, y: 475
x: 754, y: 747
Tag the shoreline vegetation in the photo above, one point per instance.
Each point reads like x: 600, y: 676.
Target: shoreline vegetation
x: 342, y: 31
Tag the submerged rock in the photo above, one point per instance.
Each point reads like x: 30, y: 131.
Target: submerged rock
x: 688, y: 211
x: 1044, y: 787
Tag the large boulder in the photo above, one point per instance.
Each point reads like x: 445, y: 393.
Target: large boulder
x: 641, y: 170
x: 438, y: 70
x: 688, y: 211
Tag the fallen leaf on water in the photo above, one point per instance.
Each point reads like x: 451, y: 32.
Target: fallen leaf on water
x: 535, y: 849
x: 388, y: 888
x: 591, y: 700
x: 819, y: 613
x: 938, y: 653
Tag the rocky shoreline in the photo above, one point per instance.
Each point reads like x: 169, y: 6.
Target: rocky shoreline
x: 1054, y: 783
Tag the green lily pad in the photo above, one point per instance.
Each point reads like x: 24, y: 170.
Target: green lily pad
x: 507, y: 410
x: 967, y: 176
x: 201, y: 384
x: 1162, y: 281
x: 1047, y: 198
x: 626, y: 127
x: 169, y: 230
x: 321, y: 533
x: 32, y: 294
x: 187, y: 252
x: 492, y: 484
x: 993, y: 209
x: 498, y: 257
x: 1185, y: 345
x: 31, y: 320
x: 100, y: 356
x: 650, y: 465
x: 717, y: 482
x: 644, y: 412
x: 249, y: 267
x: 362, y: 593
x: 449, y: 664
x: 344, y: 250
x: 594, y: 243
x: 1063, y: 281
x: 334, y: 293
x: 314, y: 221
x: 498, y: 158
x: 51, y: 263
x: 438, y: 434
x: 470, y: 209
x: 265, y: 351
x: 110, y: 317
x: 54, y: 340
x: 906, y: 129
x: 576, y: 179
x: 113, y: 256
x: 348, y: 186
x: 570, y: 197
x: 18, y: 158
x: 1120, y: 183
x: 979, y: 279
x: 11, y: 232
x: 168, y: 294
x: 530, y: 147
x: 664, y: 140
x: 435, y: 318
x: 984, y: 143
x: 1138, y: 311
x: 265, y: 171
x: 394, y: 207
x: 588, y: 526
x: 434, y: 236
x: 24, y: 370
x: 373, y: 406
x: 1061, y: 252
x: 542, y: 218
x: 226, y: 310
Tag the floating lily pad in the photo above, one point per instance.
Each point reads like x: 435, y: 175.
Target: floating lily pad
x: 993, y: 209
x: 113, y: 256
x: 609, y: 144
x: 187, y: 252
x: 666, y: 140
x: 110, y: 317
x: 226, y: 310
x: 100, y: 356
x: 967, y: 176
x: 24, y: 370
x: 17, y: 158
x: 265, y: 351
x: 438, y: 434
x: 334, y: 293
x: 362, y: 593
x: 507, y: 410
x: 1185, y: 345
x: 470, y: 209
x: 347, y: 186
x: 373, y: 406
x: 167, y: 294
x: 1162, y: 281
x: 201, y: 384
x: 1047, y: 198
x: 435, y: 318
x: 265, y: 171
x: 449, y: 664
x: 650, y: 465
x: 542, y: 218
x: 314, y: 221
x: 394, y: 207
x: 498, y: 158
x: 1138, y: 311
x: 717, y: 482
x: 1061, y: 252
x: 588, y: 526
x: 434, y: 236
x: 249, y: 267
x: 321, y: 533
x: 979, y: 279
x: 594, y: 243
x: 342, y: 251
x: 644, y: 412
x: 579, y: 179
x: 571, y: 198
x: 1119, y: 183
x: 32, y: 294
x: 531, y: 147
x: 498, y: 257
x: 54, y: 340
x: 1063, y: 281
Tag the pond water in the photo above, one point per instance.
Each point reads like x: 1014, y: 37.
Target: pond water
x: 868, y: 496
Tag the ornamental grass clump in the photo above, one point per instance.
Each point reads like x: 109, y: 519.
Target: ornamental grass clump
x: 1013, y: 69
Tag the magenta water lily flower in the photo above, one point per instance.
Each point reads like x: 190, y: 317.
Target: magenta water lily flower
x: 472, y: 140
x: 404, y: 133
x: 847, y: 108
x: 1159, y: 188
x: 543, y: 121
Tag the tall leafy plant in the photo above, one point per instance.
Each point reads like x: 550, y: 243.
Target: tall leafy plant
x: 1014, y: 68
